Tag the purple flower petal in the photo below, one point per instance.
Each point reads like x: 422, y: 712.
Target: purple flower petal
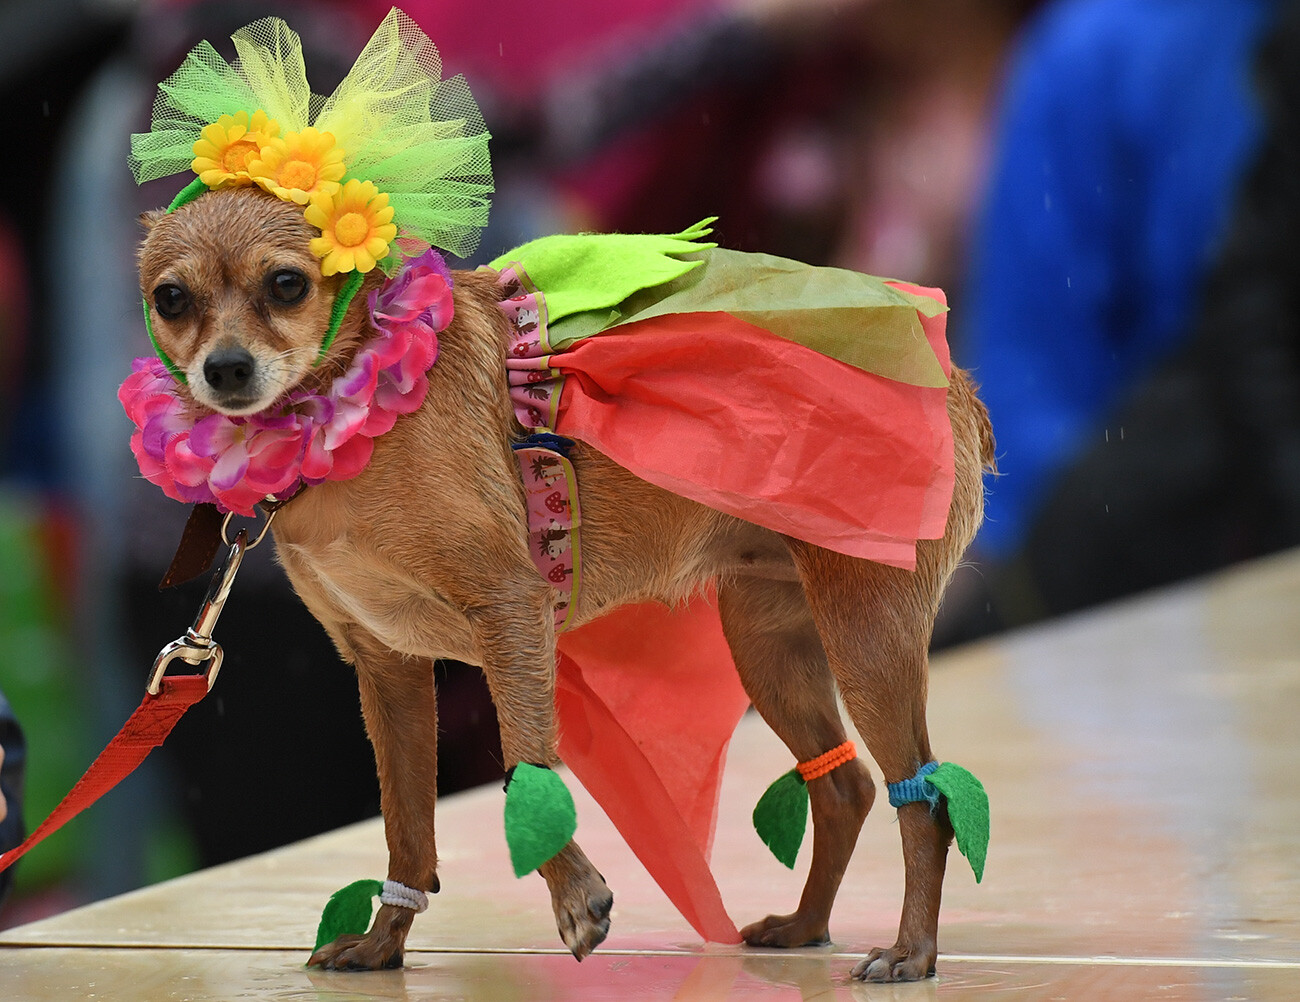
x: 359, y: 380
x: 214, y: 433
x: 347, y: 421
x: 229, y: 469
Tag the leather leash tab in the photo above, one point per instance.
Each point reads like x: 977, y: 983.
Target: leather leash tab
x: 198, y: 546
x: 204, y: 533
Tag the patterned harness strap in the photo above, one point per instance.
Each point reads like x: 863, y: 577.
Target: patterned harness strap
x: 550, y: 485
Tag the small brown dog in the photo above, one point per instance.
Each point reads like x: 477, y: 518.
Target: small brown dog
x: 398, y: 584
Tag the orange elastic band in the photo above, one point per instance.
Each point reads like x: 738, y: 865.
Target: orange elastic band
x: 827, y: 761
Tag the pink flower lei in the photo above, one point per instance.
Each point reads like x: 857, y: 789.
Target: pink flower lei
x: 234, y: 462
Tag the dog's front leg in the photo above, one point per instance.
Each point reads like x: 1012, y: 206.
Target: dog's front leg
x: 517, y: 645
x: 401, y: 714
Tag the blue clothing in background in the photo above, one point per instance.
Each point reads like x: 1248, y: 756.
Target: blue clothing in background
x: 1125, y: 127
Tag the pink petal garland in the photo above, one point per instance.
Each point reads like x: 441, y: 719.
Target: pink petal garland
x: 199, y: 456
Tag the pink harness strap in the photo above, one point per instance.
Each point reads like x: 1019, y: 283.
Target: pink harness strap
x: 551, y: 491
x: 550, y: 487
x: 534, y: 385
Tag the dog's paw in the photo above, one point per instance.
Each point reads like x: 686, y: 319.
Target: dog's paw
x: 895, y: 964
x: 581, y: 900
x: 355, y: 953
x: 786, y: 931
x: 379, y: 949
x: 584, y: 921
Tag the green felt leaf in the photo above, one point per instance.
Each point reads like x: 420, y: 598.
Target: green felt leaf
x: 348, y: 911
x: 968, y: 810
x: 781, y: 816
x: 595, y: 271
x: 540, y: 817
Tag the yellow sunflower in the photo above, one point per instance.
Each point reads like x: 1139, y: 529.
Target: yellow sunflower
x: 298, y: 166
x: 356, y: 227
x: 227, y: 146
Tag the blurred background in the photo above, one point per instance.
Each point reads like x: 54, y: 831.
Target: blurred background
x: 1107, y: 190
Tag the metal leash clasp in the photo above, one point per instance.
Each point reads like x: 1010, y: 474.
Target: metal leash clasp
x: 196, y: 646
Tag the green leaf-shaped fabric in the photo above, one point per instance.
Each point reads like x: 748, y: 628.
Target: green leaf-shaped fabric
x: 540, y: 817
x: 781, y: 816
x: 968, y: 810
x: 599, y: 271
x: 348, y: 911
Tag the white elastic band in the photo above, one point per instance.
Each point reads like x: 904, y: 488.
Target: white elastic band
x: 403, y: 896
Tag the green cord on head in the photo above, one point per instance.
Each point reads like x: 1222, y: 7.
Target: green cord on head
x: 171, y: 366
x: 188, y: 194
x: 341, y: 303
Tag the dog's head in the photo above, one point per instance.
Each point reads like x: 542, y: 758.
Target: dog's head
x: 237, y: 299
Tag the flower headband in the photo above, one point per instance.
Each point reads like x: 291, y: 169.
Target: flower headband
x: 393, y: 162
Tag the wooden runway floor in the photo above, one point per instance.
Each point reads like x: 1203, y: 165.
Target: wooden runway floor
x: 1143, y: 763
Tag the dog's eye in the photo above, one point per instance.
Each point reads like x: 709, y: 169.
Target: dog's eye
x: 287, y: 285
x: 171, y: 300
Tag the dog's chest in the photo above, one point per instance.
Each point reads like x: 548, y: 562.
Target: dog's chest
x: 345, y: 583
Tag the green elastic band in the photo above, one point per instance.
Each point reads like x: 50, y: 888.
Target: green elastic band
x: 171, y: 366
x: 187, y: 194
x: 183, y: 197
x: 341, y: 303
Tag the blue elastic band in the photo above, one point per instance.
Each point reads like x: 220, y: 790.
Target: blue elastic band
x: 918, y: 788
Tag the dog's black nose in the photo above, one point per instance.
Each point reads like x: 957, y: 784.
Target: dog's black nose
x: 228, y: 369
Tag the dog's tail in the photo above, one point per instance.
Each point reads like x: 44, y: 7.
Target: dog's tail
x: 984, y: 427
x: 988, y: 444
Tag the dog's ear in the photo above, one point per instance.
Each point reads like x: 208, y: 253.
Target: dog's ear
x: 148, y: 219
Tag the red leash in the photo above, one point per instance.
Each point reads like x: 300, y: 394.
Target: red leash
x: 165, y: 702
x: 144, y: 731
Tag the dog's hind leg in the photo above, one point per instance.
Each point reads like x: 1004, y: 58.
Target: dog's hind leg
x: 518, y: 653
x: 401, y: 713
x: 875, y: 624
x: 781, y: 662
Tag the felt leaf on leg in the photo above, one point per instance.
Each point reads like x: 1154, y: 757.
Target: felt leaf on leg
x: 968, y: 810
x: 348, y: 911
x: 781, y: 816
x: 540, y: 817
